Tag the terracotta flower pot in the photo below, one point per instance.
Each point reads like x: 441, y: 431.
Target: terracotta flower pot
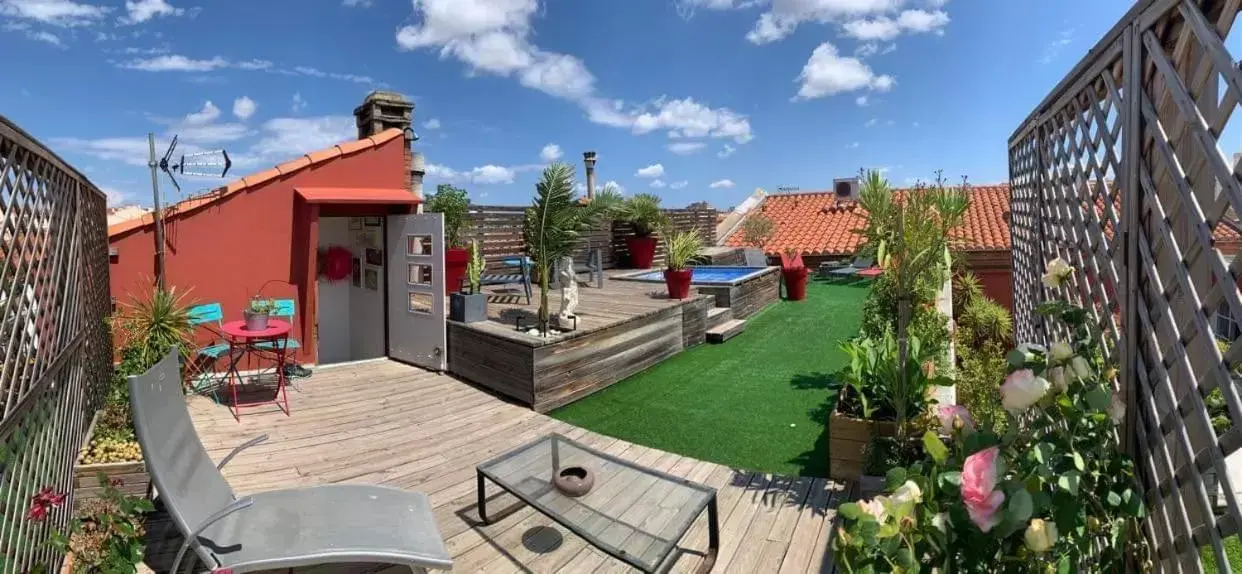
x: 455, y: 262
x: 642, y: 251
x: 678, y: 282
x: 795, y: 283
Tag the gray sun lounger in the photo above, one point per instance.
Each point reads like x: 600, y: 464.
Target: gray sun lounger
x: 276, y: 529
x: 852, y: 269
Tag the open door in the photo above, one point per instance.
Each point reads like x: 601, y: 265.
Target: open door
x: 416, y: 326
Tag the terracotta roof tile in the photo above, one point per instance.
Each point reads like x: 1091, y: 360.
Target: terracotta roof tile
x: 817, y: 223
x: 252, y: 180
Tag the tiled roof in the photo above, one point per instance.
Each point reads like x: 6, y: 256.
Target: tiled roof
x: 284, y: 169
x: 817, y: 223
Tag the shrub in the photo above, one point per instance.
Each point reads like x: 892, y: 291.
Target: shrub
x: 926, y: 323
x: 454, y: 204
x: 757, y: 230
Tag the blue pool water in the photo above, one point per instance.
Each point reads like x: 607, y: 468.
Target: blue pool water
x: 704, y: 275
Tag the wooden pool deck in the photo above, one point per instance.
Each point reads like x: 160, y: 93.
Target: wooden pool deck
x: 386, y: 423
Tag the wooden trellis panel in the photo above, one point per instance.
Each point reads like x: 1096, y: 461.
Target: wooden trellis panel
x: 1119, y: 172
x: 54, y: 343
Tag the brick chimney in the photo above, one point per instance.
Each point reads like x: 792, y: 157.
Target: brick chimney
x: 383, y: 110
x: 589, y: 159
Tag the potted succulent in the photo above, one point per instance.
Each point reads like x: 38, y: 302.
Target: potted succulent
x: 794, y: 272
x: 470, y: 307
x: 643, y: 213
x: 683, y: 248
x: 257, y: 313
x: 454, y: 205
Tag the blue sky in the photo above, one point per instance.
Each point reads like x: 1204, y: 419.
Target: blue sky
x: 690, y: 99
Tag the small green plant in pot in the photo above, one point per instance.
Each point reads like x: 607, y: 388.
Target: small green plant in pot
x: 643, y: 213
x: 454, y: 204
x: 257, y: 313
x: 683, y: 248
x: 470, y: 307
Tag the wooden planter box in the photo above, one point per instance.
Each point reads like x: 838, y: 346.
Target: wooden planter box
x: 847, y: 442
x: 133, y: 475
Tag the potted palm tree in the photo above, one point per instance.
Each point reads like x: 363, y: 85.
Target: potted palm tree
x: 555, y: 221
x: 643, y: 213
x: 453, y: 203
x: 470, y: 307
x: 683, y: 248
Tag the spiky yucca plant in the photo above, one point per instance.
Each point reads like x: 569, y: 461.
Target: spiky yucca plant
x: 683, y: 248
x: 555, y: 221
x: 153, y: 324
x: 644, y: 213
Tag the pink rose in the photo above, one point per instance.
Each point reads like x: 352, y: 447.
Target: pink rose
x: 1022, y: 389
x: 951, y: 416
x: 979, y: 494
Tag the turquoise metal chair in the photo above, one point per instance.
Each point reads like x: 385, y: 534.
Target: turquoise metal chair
x: 208, y: 315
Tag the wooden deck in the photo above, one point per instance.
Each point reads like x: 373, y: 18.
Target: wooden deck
x: 387, y: 423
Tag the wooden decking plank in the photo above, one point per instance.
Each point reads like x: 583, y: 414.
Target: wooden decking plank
x: 733, y: 527
x: 774, y: 501
x: 806, y: 530
x: 694, y: 545
x: 821, y: 551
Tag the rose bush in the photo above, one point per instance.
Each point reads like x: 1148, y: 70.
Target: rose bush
x: 1054, y: 493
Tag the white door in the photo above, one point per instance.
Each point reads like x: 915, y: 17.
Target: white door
x: 416, y: 325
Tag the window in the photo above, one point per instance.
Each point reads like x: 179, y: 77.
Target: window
x: 419, y: 303
x: 419, y: 274
x: 418, y: 245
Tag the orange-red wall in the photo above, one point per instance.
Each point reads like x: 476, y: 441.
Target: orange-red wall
x: 228, y: 250
x: 997, y: 285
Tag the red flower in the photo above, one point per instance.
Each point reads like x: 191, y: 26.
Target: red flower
x: 43, y: 501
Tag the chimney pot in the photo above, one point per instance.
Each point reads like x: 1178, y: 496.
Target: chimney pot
x: 589, y: 159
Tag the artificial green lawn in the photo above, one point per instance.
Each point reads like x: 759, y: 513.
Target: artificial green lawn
x: 759, y: 401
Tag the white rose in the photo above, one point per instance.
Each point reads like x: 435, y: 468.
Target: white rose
x: 1080, y: 367
x: 1056, y: 376
x: 908, y: 492
x: 1021, y: 390
x: 941, y: 522
x: 1040, y: 535
x: 1061, y: 352
x: 874, y: 507
x: 1056, y: 272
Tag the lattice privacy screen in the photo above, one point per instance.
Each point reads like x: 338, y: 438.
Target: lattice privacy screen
x: 54, y: 343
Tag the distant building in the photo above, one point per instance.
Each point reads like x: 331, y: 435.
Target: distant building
x: 125, y: 213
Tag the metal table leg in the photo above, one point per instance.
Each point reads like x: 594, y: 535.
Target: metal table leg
x: 482, y: 498
x: 713, y: 537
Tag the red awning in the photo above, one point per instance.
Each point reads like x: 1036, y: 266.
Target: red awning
x: 358, y: 195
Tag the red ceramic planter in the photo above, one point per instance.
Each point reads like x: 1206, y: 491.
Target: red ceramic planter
x: 795, y: 283
x: 642, y: 251
x: 455, y: 261
x: 678, y: 282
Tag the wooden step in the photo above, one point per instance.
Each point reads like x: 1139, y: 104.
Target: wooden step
x: 725, y: 331
x: 718, y: 315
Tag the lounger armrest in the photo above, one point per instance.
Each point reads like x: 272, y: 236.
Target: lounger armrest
x: 241, y: 447
x: 234, y: 506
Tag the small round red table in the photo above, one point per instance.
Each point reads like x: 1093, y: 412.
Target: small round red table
x: 247, y: 342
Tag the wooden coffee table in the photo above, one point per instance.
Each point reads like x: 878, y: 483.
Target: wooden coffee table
x: 633, y: 513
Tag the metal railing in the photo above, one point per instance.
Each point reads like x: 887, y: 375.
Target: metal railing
x: 54, y: 341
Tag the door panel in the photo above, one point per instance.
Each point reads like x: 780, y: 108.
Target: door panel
x: 416, y: 327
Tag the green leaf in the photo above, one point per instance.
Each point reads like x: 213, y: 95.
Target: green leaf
x: 953, y: 478
x: 1078, y: 462
x: 1098, y: 399
x: 850, y: 510
x: 896, y: 477
x: 935, y: 448
x: 1020, y: 506
x: 1114, y: 499
x: 1016, y: 358
x: 1043, y: 452
x: 1069, y: 482
x: 905, y: 559
x: 1064, y: 566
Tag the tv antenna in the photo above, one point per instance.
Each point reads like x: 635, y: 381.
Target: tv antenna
x: 215, y: 163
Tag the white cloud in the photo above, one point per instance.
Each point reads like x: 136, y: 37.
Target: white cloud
x: 1054, y: 48
x: 253, y: 64
x: 296, y: 103
x: 686, y: 148
x: 871, y: 122
x: 550, y: 153
x: 872, y: 48
x: 432, y: 124
x: 143, y: 10
x: 356, y: 3
x: 691, y: 119
x: 827, y: 73
x: 213, y: 133
x: 853, y: 145
x: 208, y: 114
x: 313, y: 72
x: 175, y: 63
x: 886, y: 28
x: 244, y: 107
x: 726, y: 151
x: 613, y: 184
x: 862, y: 100
x: 65, y: 13
x: 721, y: 183
x: 484, y: 175
x: 45, y: 37
x: 653, y: 170
x: 285, y: 138
x: 658, y: 184
x: 495, y: 37
x: 115, y: 196
x: 678, y: 184
x: 785, y: 15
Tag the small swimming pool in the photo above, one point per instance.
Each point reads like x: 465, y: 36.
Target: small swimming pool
x: 703, y: 275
